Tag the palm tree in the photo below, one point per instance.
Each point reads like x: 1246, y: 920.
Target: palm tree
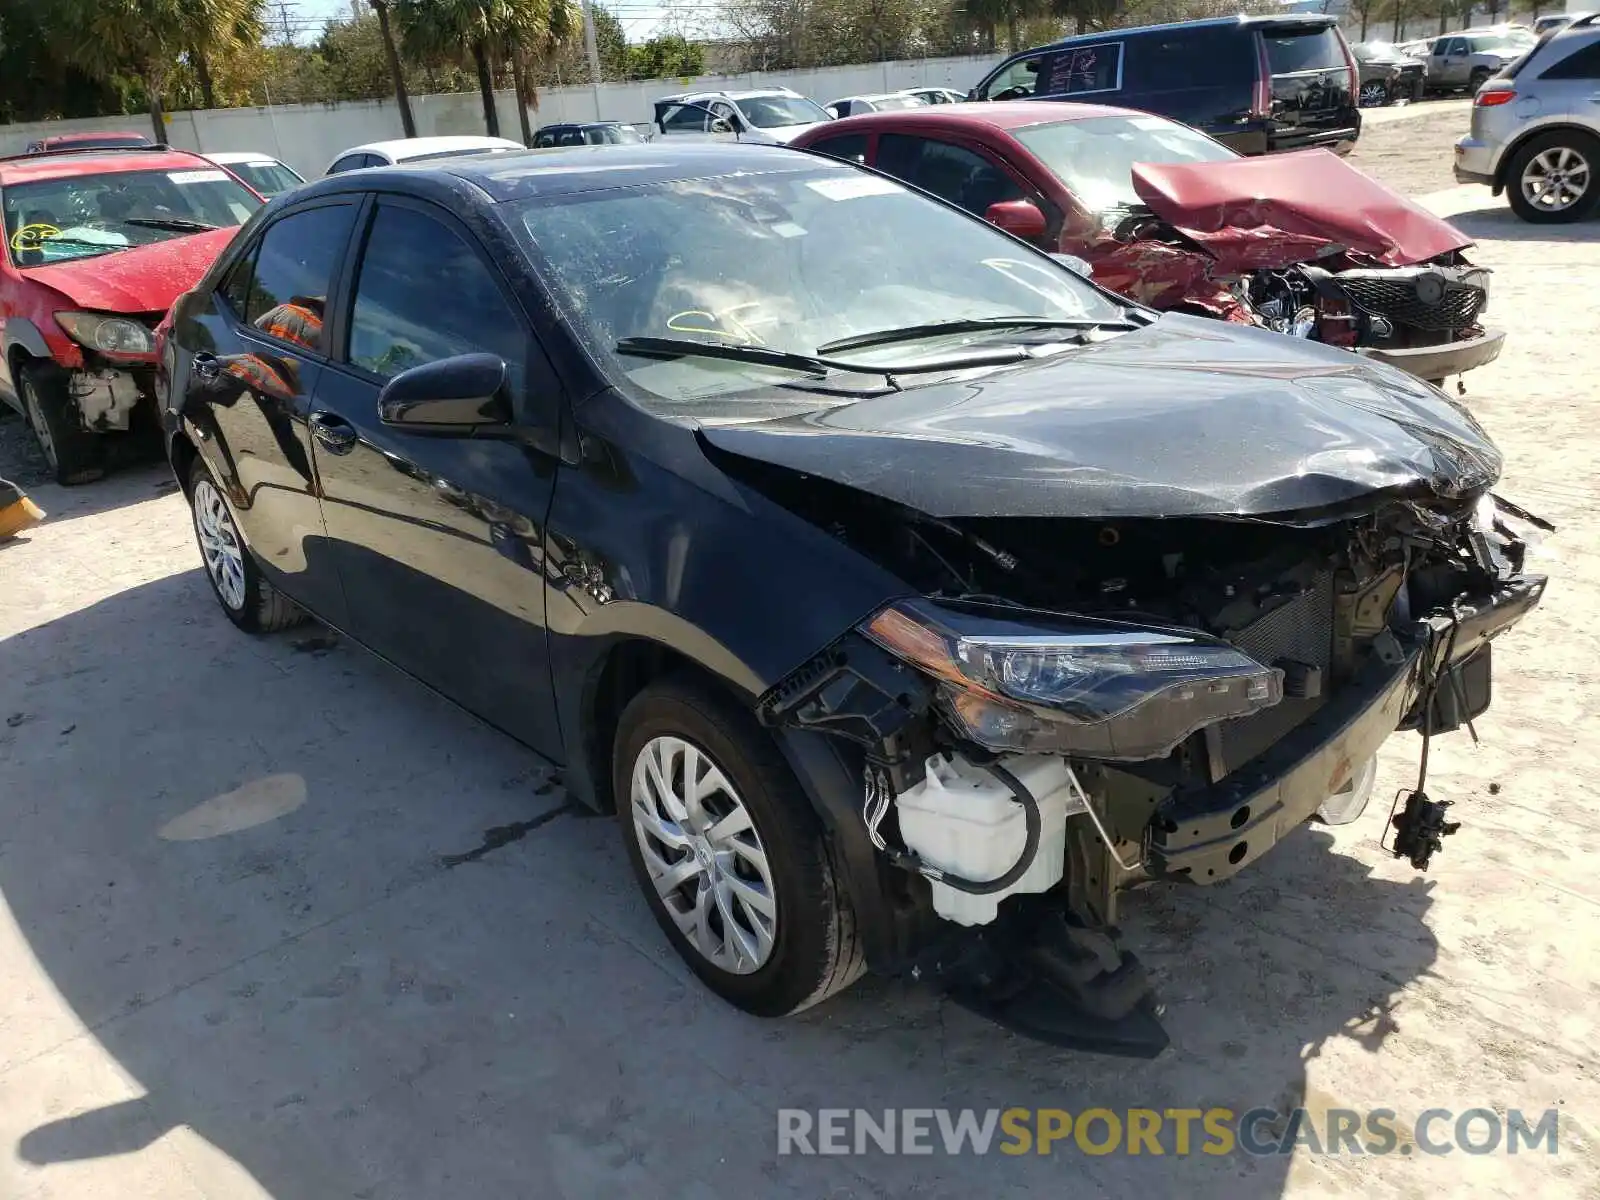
x: 534, y: 31
x: 245, y: 30
x: 143, y: 38
x: 407, y: 122
x: 443, y: 28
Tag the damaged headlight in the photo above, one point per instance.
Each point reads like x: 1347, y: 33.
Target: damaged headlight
x: 1085, y: 687
x: 109, y: 335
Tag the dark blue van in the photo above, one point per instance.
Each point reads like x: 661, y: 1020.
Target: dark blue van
x: 1259, y: 84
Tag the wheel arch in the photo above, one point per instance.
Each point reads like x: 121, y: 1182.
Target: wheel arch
x: 1503, y: 167
x: 625, y: 669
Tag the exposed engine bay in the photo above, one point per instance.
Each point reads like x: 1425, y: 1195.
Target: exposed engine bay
x: 1424, y: 318
x: 1071, y: 708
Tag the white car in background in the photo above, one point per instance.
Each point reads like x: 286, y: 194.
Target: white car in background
x: 854, y: 106
x: 260, y: 172
x: 387, y: 154
x: 771, y: 115
x: 937, y: 95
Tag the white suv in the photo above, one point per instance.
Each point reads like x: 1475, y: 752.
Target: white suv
x: 1536, y: 128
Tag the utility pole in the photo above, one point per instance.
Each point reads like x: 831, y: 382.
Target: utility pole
x: 593, y: 49
x: 283, y: 14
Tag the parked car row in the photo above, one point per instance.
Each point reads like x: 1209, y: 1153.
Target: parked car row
x: 906, y: 594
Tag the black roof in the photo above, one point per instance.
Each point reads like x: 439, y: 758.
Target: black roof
x: 564, y: 170
x: 1265, y: 23
x: 581, y: 125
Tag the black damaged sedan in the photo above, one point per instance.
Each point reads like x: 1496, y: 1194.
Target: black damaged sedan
x: 905, y: 595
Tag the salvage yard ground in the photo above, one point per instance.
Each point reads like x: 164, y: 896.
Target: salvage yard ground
x: 235, y: 959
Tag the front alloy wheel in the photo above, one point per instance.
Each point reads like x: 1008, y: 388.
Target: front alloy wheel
x: 703, y: 855
x: 1374, y: 94
x: 728, y: 851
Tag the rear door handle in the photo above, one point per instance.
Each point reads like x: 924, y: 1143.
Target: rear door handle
x: 336, y: 435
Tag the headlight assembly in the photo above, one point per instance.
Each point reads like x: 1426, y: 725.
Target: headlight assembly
x: 108, y: 334
x: 1077, y: 686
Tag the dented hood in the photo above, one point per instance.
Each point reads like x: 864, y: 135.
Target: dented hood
x: 1187, y: 417
x: 1280, y: 209
x: 141, y: 279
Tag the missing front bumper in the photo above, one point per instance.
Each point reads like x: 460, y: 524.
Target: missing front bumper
x: 106, y: 397
x: 1207, y: 834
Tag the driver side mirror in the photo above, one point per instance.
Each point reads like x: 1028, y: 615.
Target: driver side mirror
x: 972, y: 94
x: 1020, y: 218
x: 454, y: 397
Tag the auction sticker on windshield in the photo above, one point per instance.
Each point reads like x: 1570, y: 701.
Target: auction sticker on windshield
x: 847, y: 188
x: 196, y: 176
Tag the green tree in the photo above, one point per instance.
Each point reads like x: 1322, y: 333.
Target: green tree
x: 142, y: 39
x: 670, y: 56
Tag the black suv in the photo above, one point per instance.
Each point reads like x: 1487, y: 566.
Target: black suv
x: 1259, y: 84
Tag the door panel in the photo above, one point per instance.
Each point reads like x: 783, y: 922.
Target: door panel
x: 440, y: 540
x: 260, y: 356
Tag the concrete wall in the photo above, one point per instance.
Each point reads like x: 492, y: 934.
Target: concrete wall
x: 309, y: 136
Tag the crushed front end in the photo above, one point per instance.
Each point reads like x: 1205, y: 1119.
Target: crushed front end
x: 1072, y: 708
x: 1305, y: 245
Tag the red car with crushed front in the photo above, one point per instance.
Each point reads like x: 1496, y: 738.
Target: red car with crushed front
x: 1301, y: 243
x: 98, y: 244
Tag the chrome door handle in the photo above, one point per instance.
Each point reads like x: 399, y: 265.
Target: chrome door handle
x: 335, y: 434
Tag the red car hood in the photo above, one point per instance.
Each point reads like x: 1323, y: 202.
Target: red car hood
x: 144, y: 279
x: 1278, y: 210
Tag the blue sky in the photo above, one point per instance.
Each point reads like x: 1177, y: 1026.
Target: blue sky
x: 639, y: 17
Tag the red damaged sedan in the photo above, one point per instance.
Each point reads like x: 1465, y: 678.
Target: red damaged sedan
x: 98, y: 244
x: 1301, y: 243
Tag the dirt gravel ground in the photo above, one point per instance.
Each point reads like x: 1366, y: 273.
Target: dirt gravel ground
x: 234, y: 963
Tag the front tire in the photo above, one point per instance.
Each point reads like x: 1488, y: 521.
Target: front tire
x: 249, y: 601
x: 1552, y: 179
x: 729, y: 853
x: 73, y: 454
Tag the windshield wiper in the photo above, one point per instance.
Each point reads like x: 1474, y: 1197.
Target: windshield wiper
x: 908, y: 333
x: 177, y: 224
x: 808, y: 364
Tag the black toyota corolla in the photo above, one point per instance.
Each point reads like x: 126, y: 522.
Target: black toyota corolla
x: 907, y: 596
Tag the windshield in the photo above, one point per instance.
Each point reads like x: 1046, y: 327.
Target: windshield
x: 789, y: 261
x: 773, y: 112
x: 896, y: 103
x: 53, y: 220
x: 1377, y: 51
x: 268, y: 178
x: 1495, y: 44
x: 1095, y: 157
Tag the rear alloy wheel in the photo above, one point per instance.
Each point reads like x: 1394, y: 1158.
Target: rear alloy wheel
x: 73, y: 454
x: 729, y: 853
x: 251, y: 603
x: 1552, y: 179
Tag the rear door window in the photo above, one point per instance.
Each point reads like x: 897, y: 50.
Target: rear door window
x: 1313, y: 50
x: 1190, y: 59
x: 288, y: 291
x: 1585, y: 65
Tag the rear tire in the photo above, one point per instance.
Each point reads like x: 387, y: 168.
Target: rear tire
x: 249, y: 601
x: 779, y: 861
x: 1570, y: 156
x: 73, y: 454
x: 1479, y: 77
